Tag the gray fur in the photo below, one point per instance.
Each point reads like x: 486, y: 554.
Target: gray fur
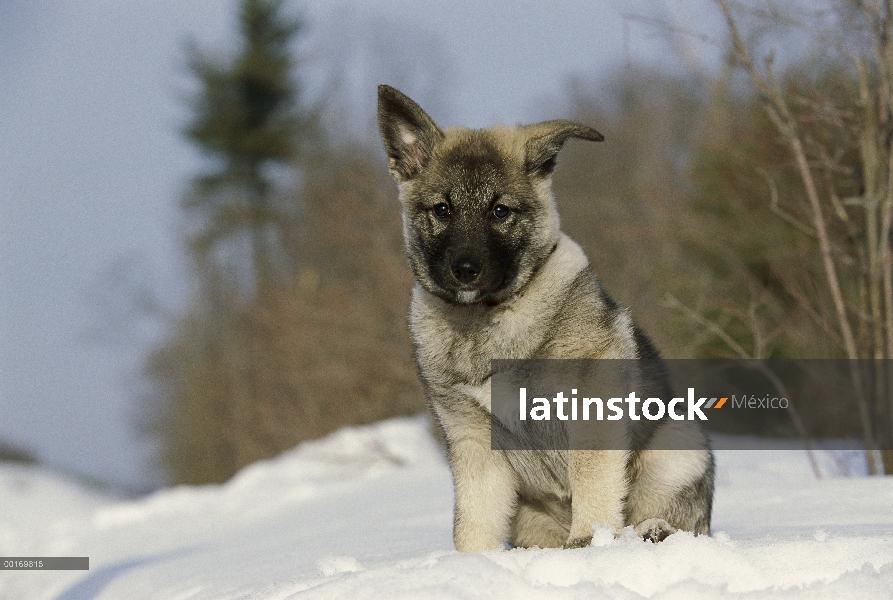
x: 496, y: 278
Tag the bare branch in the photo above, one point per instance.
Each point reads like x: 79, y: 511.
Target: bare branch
x: 807, y: 306
x: 777, y: 108
x: 774, y: 207
x: 795, y: 416
x: 794, y: 221
x: 778, y: 111
x: 759, y: 365
x: 672, y: 302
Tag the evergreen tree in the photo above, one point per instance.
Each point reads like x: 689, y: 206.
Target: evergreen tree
x: 247, y: 121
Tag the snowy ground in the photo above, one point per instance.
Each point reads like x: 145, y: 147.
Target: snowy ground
x: 367, y: 513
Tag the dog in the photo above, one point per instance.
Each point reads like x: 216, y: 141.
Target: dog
x: 496, y: 278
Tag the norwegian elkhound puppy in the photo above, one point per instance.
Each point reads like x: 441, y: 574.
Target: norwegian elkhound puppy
x: 496, y: 278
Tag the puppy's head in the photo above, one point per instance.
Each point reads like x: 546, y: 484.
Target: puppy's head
x: 478, y: 213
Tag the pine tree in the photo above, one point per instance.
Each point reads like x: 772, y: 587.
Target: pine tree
x: 247, y: 121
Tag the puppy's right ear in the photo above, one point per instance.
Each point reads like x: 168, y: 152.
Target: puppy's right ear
x: 409, y: 134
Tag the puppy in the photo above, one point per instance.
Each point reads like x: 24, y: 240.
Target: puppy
x: 497, y: 279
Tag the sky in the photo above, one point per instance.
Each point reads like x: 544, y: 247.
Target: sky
x: 92, y: 166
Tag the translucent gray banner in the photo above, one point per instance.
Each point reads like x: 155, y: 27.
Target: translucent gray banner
x: 45, y: 563
x: 672, y: 404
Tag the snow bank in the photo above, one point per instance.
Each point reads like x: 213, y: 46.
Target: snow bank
x: 367, y: 513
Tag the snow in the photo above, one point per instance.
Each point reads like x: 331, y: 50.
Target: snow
x: 367, y: 513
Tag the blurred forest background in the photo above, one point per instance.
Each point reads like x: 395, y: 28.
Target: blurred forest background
x: 743, y: 213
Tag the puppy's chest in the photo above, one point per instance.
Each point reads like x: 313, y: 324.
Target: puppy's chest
x: 454, y: 349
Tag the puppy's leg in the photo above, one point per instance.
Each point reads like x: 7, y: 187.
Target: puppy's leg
x: 535, y: 527
x: 671, y: 487
x: 598, y: 487
x: 486, y: 486
x: 486, y: 495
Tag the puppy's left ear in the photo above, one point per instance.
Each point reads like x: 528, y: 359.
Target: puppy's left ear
x: 409, y: 134
x: 544, y: 140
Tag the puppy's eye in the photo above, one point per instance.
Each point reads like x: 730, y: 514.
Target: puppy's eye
x: 441, y: 210
x: 500, y: 211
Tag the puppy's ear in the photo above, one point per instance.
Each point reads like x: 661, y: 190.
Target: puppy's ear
x: 409, y: 134
x: 545, y: 139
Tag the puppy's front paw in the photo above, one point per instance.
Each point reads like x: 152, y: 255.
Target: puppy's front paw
x: 655, y: 530
x: 580, y: 542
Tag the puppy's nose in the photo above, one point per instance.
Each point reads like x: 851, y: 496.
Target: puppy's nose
x: 466, y: 270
